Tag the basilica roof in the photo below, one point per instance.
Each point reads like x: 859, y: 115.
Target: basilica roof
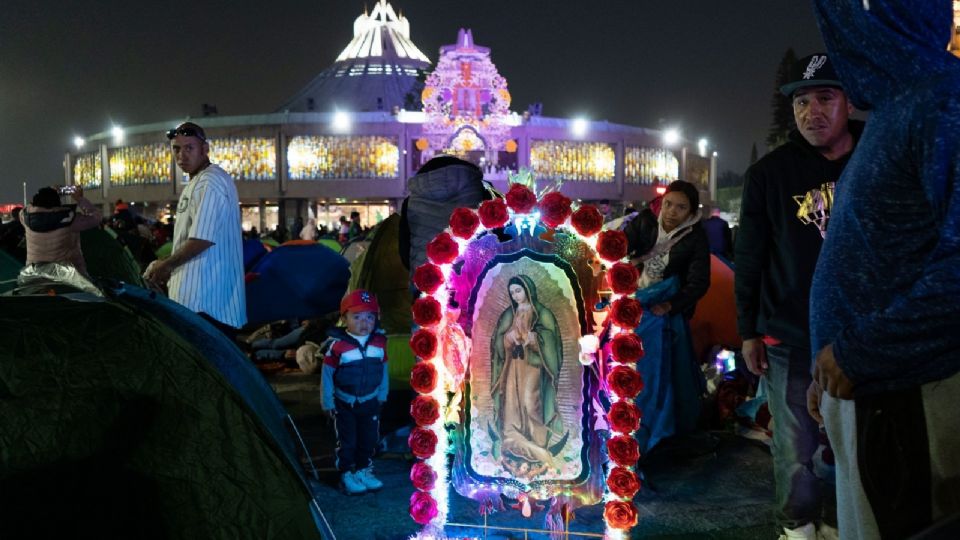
x: 377, y: 70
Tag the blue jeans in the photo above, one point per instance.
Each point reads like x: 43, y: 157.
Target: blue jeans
x: 273, y: 349
x: 801, y: 496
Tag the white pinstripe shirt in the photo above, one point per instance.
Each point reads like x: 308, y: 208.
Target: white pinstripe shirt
x: 211, y: 282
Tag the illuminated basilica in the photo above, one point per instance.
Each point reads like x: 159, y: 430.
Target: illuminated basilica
x: 353, y: 135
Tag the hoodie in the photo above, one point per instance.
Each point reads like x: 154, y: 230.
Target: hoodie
x: 886, y: 290
x: 434, y: 195
x: 776, y: 251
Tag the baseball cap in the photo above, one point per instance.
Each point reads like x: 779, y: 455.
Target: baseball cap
x: 359, y: 301
x: 813, y: 70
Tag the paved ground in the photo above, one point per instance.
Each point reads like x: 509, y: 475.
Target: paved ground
x: 718, y: 486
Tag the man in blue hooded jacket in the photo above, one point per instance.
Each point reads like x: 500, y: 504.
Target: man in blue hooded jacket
x: 885, y: 302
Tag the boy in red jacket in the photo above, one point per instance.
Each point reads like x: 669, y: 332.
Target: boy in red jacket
x: 355, y: 386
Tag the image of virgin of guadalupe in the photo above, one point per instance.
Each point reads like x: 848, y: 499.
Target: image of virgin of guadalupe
x: 526, y: 355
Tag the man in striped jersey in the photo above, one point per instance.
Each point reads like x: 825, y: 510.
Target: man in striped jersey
x: 205, y: 270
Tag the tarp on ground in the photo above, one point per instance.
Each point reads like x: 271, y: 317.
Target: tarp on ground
x: 107, y: 258
x: 296, y: 282
x: 124, y: 419
x: 9, y: 270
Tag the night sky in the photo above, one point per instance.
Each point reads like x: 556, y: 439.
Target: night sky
x: 75, y: 68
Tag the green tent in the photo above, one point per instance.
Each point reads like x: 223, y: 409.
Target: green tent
x: 331, y: 243
x: 380, y: 270
x: 125, y: 418
x: 164, y: 251
x: 107, y: 258
x: 9, y: 270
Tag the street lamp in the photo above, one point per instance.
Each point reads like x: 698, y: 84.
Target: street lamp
x: 702, y: 146
x: 671, y: 136
x: 117, y: 133
x: 579, y: 127
x: 78, y: 142
x: 341, y: 121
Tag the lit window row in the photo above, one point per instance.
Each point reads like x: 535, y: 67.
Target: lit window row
x: 143, y: 164
x: 246, y: 158
x: 573, y: 161
x: 312, y: 156
x: 647, y: 166
x: 87, y: 170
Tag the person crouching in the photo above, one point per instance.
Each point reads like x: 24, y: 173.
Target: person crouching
x: 354, y: 388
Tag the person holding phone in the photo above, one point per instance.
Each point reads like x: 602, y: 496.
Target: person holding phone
x: 53, y: 230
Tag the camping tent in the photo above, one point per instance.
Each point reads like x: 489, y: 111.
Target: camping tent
x: 295, y: 282
x: 380, y: 270
x: 131, y: 417
x: 9, y: 270
x: 107, y: 258
x: 715, y: 320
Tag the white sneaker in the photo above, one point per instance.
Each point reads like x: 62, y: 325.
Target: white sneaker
x: 807, y: 532
x: 369, y: 481
x: 351, y: 484
x: 826, y: 532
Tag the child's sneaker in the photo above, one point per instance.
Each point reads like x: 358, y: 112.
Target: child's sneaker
x: 807, y: 532
x: 369, y: 481
x: 351, y: 484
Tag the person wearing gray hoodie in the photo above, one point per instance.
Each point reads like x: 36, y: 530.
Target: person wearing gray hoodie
x: 885, y: 300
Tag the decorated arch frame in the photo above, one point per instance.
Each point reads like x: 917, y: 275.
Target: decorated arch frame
x: 517, y: 376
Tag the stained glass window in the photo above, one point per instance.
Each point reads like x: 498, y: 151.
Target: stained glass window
x: 642, y: 165
x: 313, y: 157
x: 573, y: 160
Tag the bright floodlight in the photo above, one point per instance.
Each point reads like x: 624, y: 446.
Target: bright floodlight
x: 117, y: 133
x: 341, y: 121
x: 78, y: 142
x: 702, y: 146
x: 579, y: 126
x: 671, y: 136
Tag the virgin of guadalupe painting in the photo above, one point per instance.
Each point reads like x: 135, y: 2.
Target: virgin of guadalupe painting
x: 526, y: 382
x: 525, y: 358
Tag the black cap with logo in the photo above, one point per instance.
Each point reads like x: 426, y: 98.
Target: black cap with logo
x: 813, y: 70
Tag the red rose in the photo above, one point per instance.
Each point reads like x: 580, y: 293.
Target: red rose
x: 521, y: 199
x: 626, y: 347
x: 425, y: 410
x: 423, y: 442
x: 587, y: 220
x: 622, y: 449
x: 622, y: 482
x: 625, y: 382
x: 422, y: 507
x: 612, y: 245
x: 624, y: 417
x: 428, y: 278
x: 423, y: 343
x: 620, y: 514
x: 423, y: 476
x: 493, y: 213
x: 423, y: 376
x: 554, y: 209
x: 464, y: 222
x: 443, y: 249
x: 622, y: 278
x: 426, y: 311
x: 625, y: 312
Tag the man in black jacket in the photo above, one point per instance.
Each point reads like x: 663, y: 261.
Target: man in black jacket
x: 786, y: 202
